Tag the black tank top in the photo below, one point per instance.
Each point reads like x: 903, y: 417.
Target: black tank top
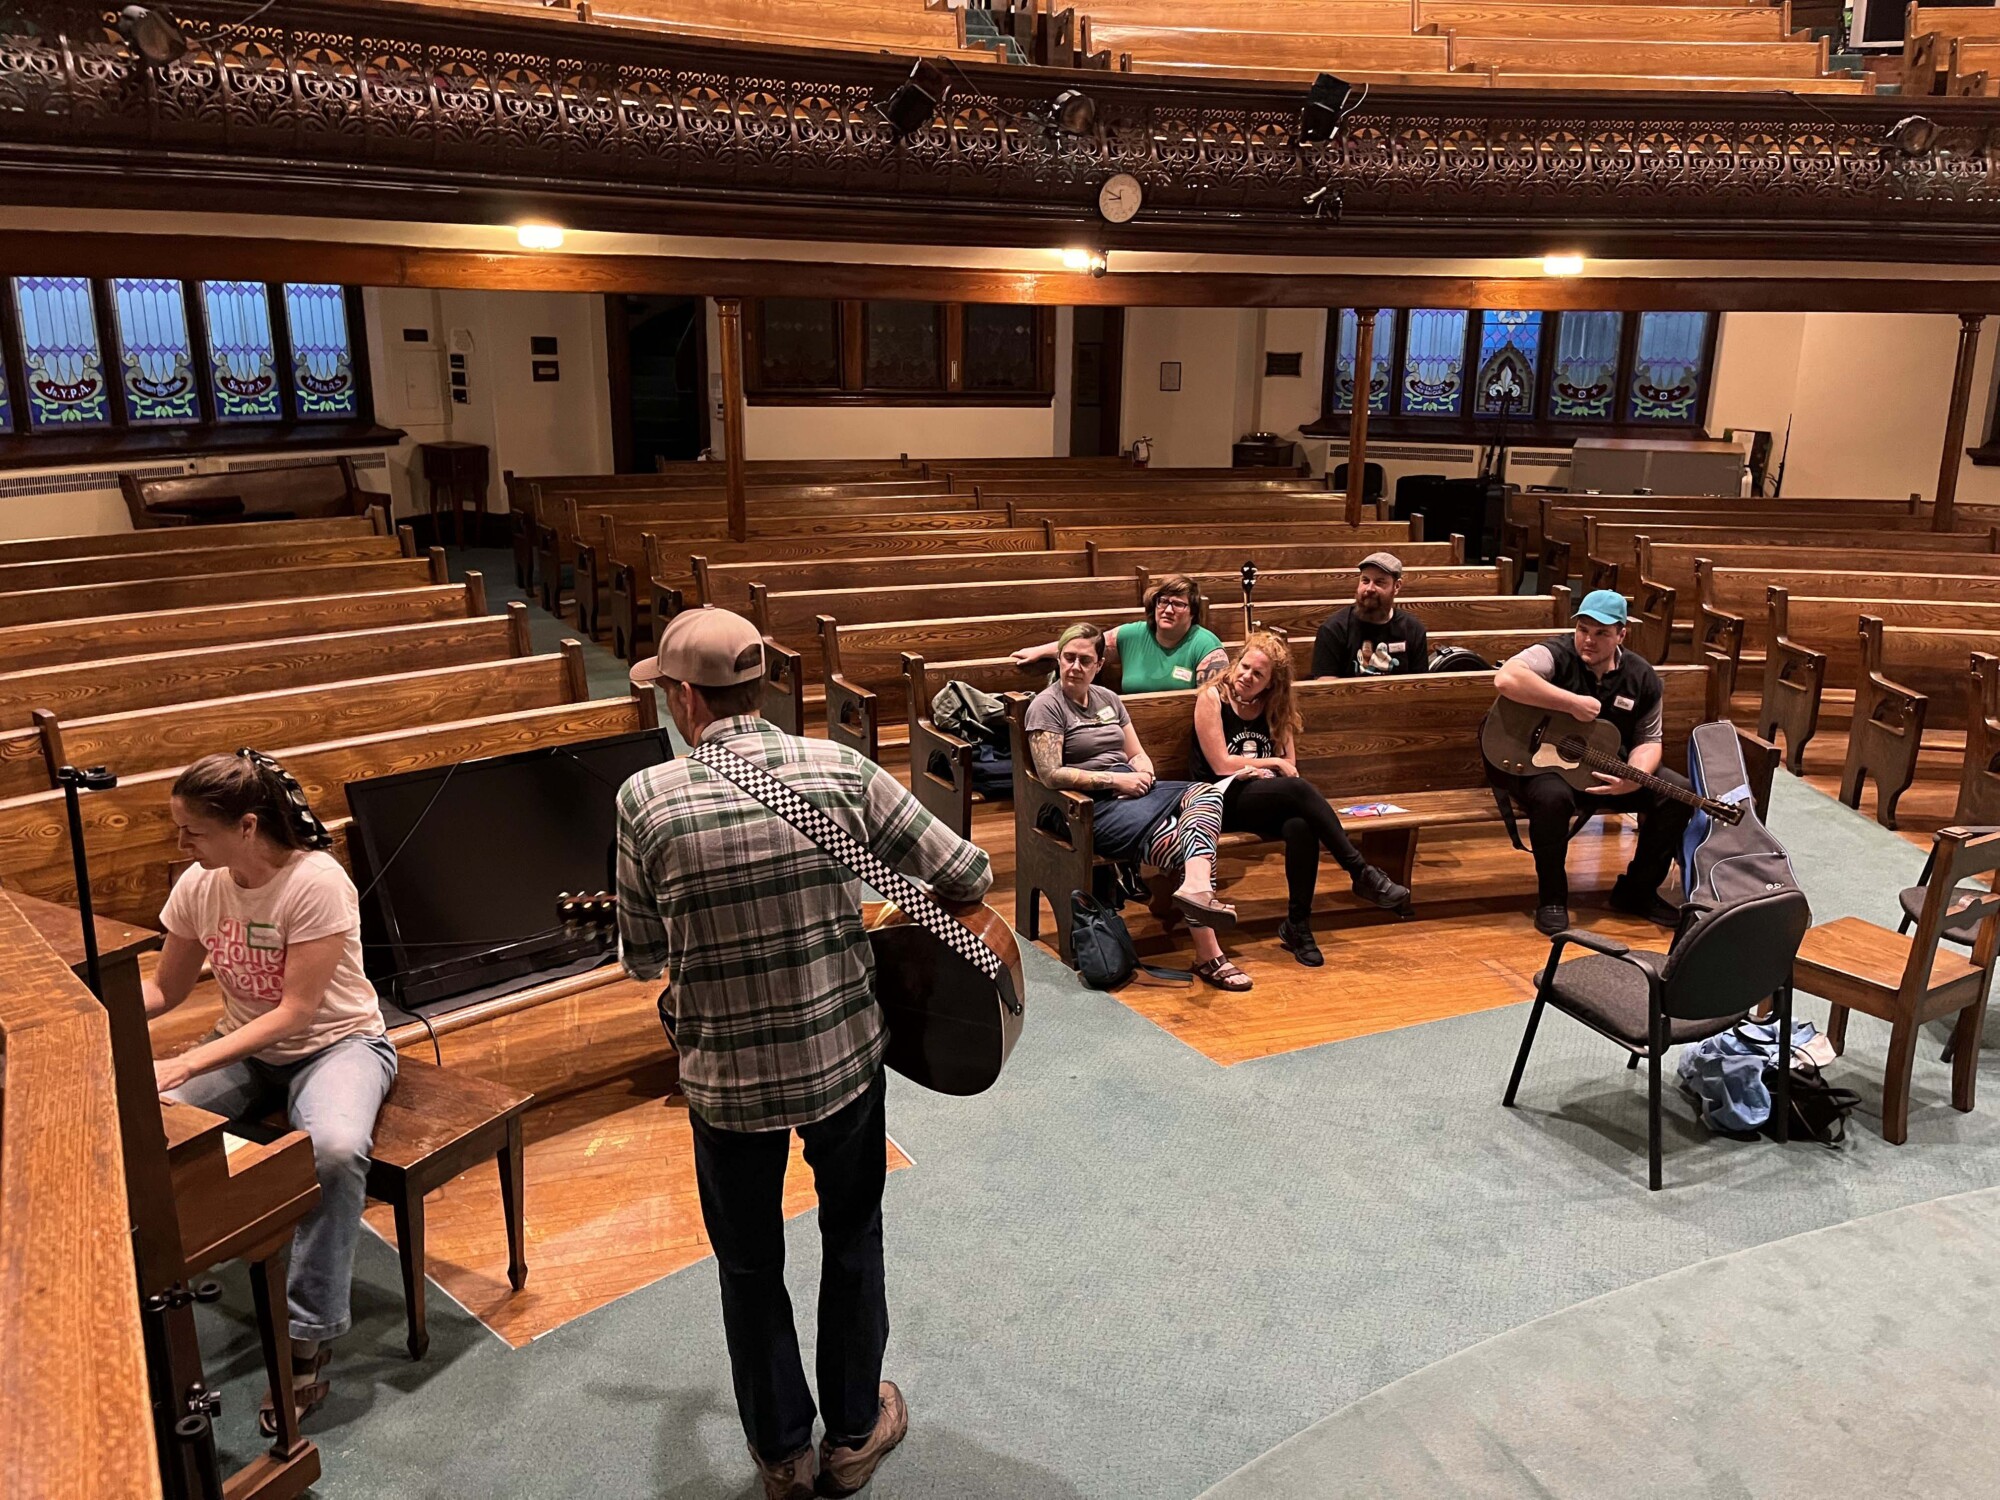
x: 1240, y: 736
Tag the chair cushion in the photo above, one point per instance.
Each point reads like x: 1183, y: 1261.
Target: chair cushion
x: 1611, y: 994
x: 1962, y: 931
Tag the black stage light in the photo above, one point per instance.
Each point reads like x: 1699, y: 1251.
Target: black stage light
x: 1326, y: 103
x: 916, y: 99
x: 1912, y: 135
x: 1325, y: 203
x: 1073, y: 112
x: 154, y: 35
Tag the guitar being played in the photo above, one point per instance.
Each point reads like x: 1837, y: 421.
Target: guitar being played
x: 1614, y: 696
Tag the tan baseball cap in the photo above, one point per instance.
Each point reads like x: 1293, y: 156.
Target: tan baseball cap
x: 1388, y: 562
x: 708, y: 647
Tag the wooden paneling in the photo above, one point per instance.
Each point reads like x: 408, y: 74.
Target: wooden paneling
x: 188, y: 562
x: 178, y: 538
x: 41, y: 605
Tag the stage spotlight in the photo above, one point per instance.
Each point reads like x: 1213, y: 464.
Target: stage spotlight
x: 916, y: 99
x: 1325, y: 203
x: 1912, y: 135
x: 1325, y: 106
x: 1073, y: 113
x: 154, y: 35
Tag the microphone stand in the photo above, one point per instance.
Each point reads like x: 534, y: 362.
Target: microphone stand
x: 74, y: 783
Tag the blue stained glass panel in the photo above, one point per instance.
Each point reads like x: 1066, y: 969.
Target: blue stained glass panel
x: 1584, y: 384
x: 6, y: 403
x: 155, y: 357
x: 322, y: 362
x: 1381, y: 376
x: 1510, y: 345
x: 63, y: 359
x: 1666, y: 371
x: 1434, y: 363
x: 242, y: 357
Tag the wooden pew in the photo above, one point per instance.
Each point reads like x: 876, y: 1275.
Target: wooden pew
x: 1914, y: 679
x: 1328, y: 533
x: 1573, y: 55
x: 36, y: 606
x: 1222, y: 557
x: 1687, y: 566
x: 1979, y: 775
x: 1613, y: 540
x: 281, y: 492
x: 864, y: 691
x: 78, y: 640
x: 1972, y: 68
x: 121, y: 684
x: 1526, y: 526
x: 1638, y: 23
x: 130, y: 829
x: 728, y: 584
x: 1651, y: 83
x: 169, y: 539
x: 1323, y: 583
x: 940, y: 771
x: 188, y: 562
x: 1192, y: 516
x: 152, y: 739
x: 997, y: 494
x: 1275, y: 49
x: 1929, y: 31
x: 1411, y: 741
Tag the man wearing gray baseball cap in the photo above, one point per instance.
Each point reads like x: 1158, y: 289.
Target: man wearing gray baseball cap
x: 1371, y: 637
x: 771, y: 1007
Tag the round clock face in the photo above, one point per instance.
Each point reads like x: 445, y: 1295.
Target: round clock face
x: 1118, y: 200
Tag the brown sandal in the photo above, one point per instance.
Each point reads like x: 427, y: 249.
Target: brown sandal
x: 306, y: 1398
x: 1223, y: 974
x: 1206, y: 910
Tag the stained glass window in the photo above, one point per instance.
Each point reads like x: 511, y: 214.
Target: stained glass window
x: 1584, y: 384
x: 799, y: 346
x: 1000, y: 352
x: 60, y: 353
x: 155, y: 357
x: 1509, y: 353
x: 1666, y: 371
x: 901, y: 346
x: 6, y: 403
x: 322, y: 361
x: 1381, y: 373
x: 243, y: 359
x: 1434, y: 363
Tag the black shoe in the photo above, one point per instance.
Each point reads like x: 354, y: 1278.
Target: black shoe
x: 1298, y: 941
x: 1626, y: 897
x: 1550, y: 920
x: 1370, y: 884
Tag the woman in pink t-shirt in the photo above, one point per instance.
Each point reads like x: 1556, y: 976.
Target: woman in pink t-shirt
x: 277, y: 919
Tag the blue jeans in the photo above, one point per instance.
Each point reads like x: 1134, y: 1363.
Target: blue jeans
x: 333, y: 1096
x: 741, y: 1174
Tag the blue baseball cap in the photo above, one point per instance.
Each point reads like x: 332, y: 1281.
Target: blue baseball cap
x: 1606, y: 606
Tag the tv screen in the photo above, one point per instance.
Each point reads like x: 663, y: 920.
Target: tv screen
x: 466, y: 862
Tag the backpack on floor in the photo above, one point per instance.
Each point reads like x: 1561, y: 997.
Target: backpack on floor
x: 1723, y: 863
x: 1105, y: 955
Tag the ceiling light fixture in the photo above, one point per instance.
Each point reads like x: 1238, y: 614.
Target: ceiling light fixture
x: 1562, y: 263
x: 539, y: 236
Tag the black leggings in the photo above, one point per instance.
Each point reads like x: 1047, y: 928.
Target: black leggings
x: 1293, y: 809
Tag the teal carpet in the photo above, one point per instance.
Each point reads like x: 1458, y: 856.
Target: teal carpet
x: 1128, y: 1272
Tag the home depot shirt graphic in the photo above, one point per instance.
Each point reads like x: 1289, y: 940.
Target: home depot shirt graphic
x: 248, y: 932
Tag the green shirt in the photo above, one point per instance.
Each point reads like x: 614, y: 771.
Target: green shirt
x: 1144, y: 668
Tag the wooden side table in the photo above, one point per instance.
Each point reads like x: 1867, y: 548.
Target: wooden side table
x: 436, y: 1123
x: 456, y: 475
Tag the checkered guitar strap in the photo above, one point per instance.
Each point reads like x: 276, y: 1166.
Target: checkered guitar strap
x: 830, y: 837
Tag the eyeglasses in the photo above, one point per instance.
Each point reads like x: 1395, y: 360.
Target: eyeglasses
x: 1174, y: 601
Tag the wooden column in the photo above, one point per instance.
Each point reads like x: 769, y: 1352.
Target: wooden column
x: 1943, y: 514
x: 731, y: 311
x: 1357, y: 424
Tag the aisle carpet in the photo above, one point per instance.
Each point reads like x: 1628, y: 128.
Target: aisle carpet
x: 1127, y: 1272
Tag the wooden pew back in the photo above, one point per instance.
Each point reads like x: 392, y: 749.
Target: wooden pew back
x: 177, y: 539
x: 125, y: 567
x: 37, y: 606
x: 1223, y: 557
x: 1332, y: 532
x: 728, y: 584
x: 283, y: 491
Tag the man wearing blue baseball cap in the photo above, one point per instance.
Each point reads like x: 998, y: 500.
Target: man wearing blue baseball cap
x: 1591, y: 675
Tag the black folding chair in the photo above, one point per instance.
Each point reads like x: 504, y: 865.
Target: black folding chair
x: 1723, y: 963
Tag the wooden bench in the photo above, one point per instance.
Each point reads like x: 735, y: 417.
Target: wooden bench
x: 1697, y: 569
x: 1929, y: 31
x: 1973, y: 68
x: 54, y: 643
x: 168, y: 539
x: 1332, y: 532
x: 865, y: 693
x: 1142, y: 488
x: 39, y: 606
x: 1411, y: 741
x: 1434, y: 582
x: 301, y: 489
x: 1572, y: 55
x: 1222, y: 557
x: 1526, y: 525
x: 1569, y: 521
x: 130, y: 831
x: 941, y: 763
x: 1913, y: 679
x: 1652, y: 83
x: 192, y: 561
x: 124, y: 683
x: 1649, y: 23
x: 1275, y: 49
x: 151, y: 739
x: 728, y: 584
x: 1615, y: 541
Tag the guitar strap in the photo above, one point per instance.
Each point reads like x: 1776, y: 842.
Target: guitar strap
x: 861, y: 861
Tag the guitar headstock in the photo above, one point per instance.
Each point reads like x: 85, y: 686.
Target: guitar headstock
x: 579, y: 910
x: 1249, y: 576
x: 1726, y: 812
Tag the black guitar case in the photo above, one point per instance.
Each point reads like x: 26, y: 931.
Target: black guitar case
x: 1726, y: 863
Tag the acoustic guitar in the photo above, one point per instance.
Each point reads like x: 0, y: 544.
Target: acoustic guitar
x: 1523, y: 741
x: 951, y: 1028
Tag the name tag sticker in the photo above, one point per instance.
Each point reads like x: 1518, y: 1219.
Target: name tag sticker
x: 1395, y: 648
x: 1183, y: 674
x: 1621, y: 701
x: 1107, y: 714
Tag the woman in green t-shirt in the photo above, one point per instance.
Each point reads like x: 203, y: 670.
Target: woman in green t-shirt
x: 1164, y: 651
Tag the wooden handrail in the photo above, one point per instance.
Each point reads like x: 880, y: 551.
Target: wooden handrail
x: 75, y: 1422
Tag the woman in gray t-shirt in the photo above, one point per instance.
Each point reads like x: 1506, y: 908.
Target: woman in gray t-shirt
x: 1082, y: 740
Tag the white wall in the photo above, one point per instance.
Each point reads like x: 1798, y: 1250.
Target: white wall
x: 1217, y: 352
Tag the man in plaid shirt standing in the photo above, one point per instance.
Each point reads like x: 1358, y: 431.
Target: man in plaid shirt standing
x: 771, y: 1005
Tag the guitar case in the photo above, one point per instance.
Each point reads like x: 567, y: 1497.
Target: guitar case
x: 1724, y: 863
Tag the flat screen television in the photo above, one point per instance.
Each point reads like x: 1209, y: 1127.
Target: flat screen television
x: 461, y: 865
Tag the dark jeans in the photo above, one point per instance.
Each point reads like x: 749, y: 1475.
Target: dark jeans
x: 1552, y: 805
x: 1293, y: 809
x: 742, y: 1178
